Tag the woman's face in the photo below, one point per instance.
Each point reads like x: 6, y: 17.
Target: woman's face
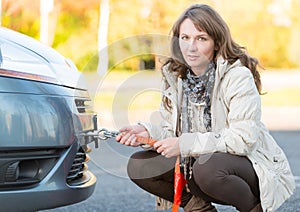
x: 197, y: 47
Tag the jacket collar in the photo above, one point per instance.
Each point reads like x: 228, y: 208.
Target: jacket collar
x: 223, y: 66
x: 170, y: 77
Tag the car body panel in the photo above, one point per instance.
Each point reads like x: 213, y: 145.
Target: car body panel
x: 45, y: 118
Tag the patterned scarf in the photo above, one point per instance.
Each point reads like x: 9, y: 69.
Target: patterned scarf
x: 198, y: 89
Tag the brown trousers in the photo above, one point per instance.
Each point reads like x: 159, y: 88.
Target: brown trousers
x: 221, y: 178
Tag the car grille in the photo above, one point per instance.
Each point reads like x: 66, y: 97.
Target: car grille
x: 77, y: 174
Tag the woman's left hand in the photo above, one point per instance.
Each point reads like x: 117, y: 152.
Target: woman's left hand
x: 168, y: 147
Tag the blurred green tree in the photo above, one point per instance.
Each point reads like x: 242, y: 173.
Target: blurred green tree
x: 269, y: 29
x: 15, y: 17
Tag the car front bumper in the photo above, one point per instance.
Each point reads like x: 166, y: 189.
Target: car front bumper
x: 53, y: 190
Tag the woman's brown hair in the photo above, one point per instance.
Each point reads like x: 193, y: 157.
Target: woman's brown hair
x: 206, y: 18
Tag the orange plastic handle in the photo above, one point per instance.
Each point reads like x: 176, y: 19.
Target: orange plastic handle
x: 145, y: 140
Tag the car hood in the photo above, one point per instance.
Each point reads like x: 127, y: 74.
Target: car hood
x: 61, y: 68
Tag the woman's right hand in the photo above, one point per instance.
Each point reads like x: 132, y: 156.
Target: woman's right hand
x: 128, y: 135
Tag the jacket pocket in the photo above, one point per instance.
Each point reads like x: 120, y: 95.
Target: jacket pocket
x: 274, y: 161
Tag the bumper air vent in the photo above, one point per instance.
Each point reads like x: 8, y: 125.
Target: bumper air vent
x: 78, y: 172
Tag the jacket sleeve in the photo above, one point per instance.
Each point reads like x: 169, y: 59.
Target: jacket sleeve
x: 161, y: 130
x: 162, y: 123
x: 242, y: 107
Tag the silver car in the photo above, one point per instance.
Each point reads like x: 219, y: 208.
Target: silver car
x: 45, y: 119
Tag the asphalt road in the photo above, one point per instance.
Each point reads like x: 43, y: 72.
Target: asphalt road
x: 115, y: 192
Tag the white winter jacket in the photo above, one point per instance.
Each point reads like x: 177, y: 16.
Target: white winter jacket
x: 236, y: 129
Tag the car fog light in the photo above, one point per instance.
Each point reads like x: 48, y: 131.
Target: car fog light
x: 22, y: 170
x: 12, y: 172
x: 28, y: 169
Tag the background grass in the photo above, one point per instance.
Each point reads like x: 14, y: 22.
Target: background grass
x: 281, y: 97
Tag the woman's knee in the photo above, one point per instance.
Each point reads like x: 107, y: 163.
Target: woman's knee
x: 206, y: 172
x: 135, y: 164
x: 148, y: 164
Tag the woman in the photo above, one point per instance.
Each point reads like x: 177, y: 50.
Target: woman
x: 211, y: 117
